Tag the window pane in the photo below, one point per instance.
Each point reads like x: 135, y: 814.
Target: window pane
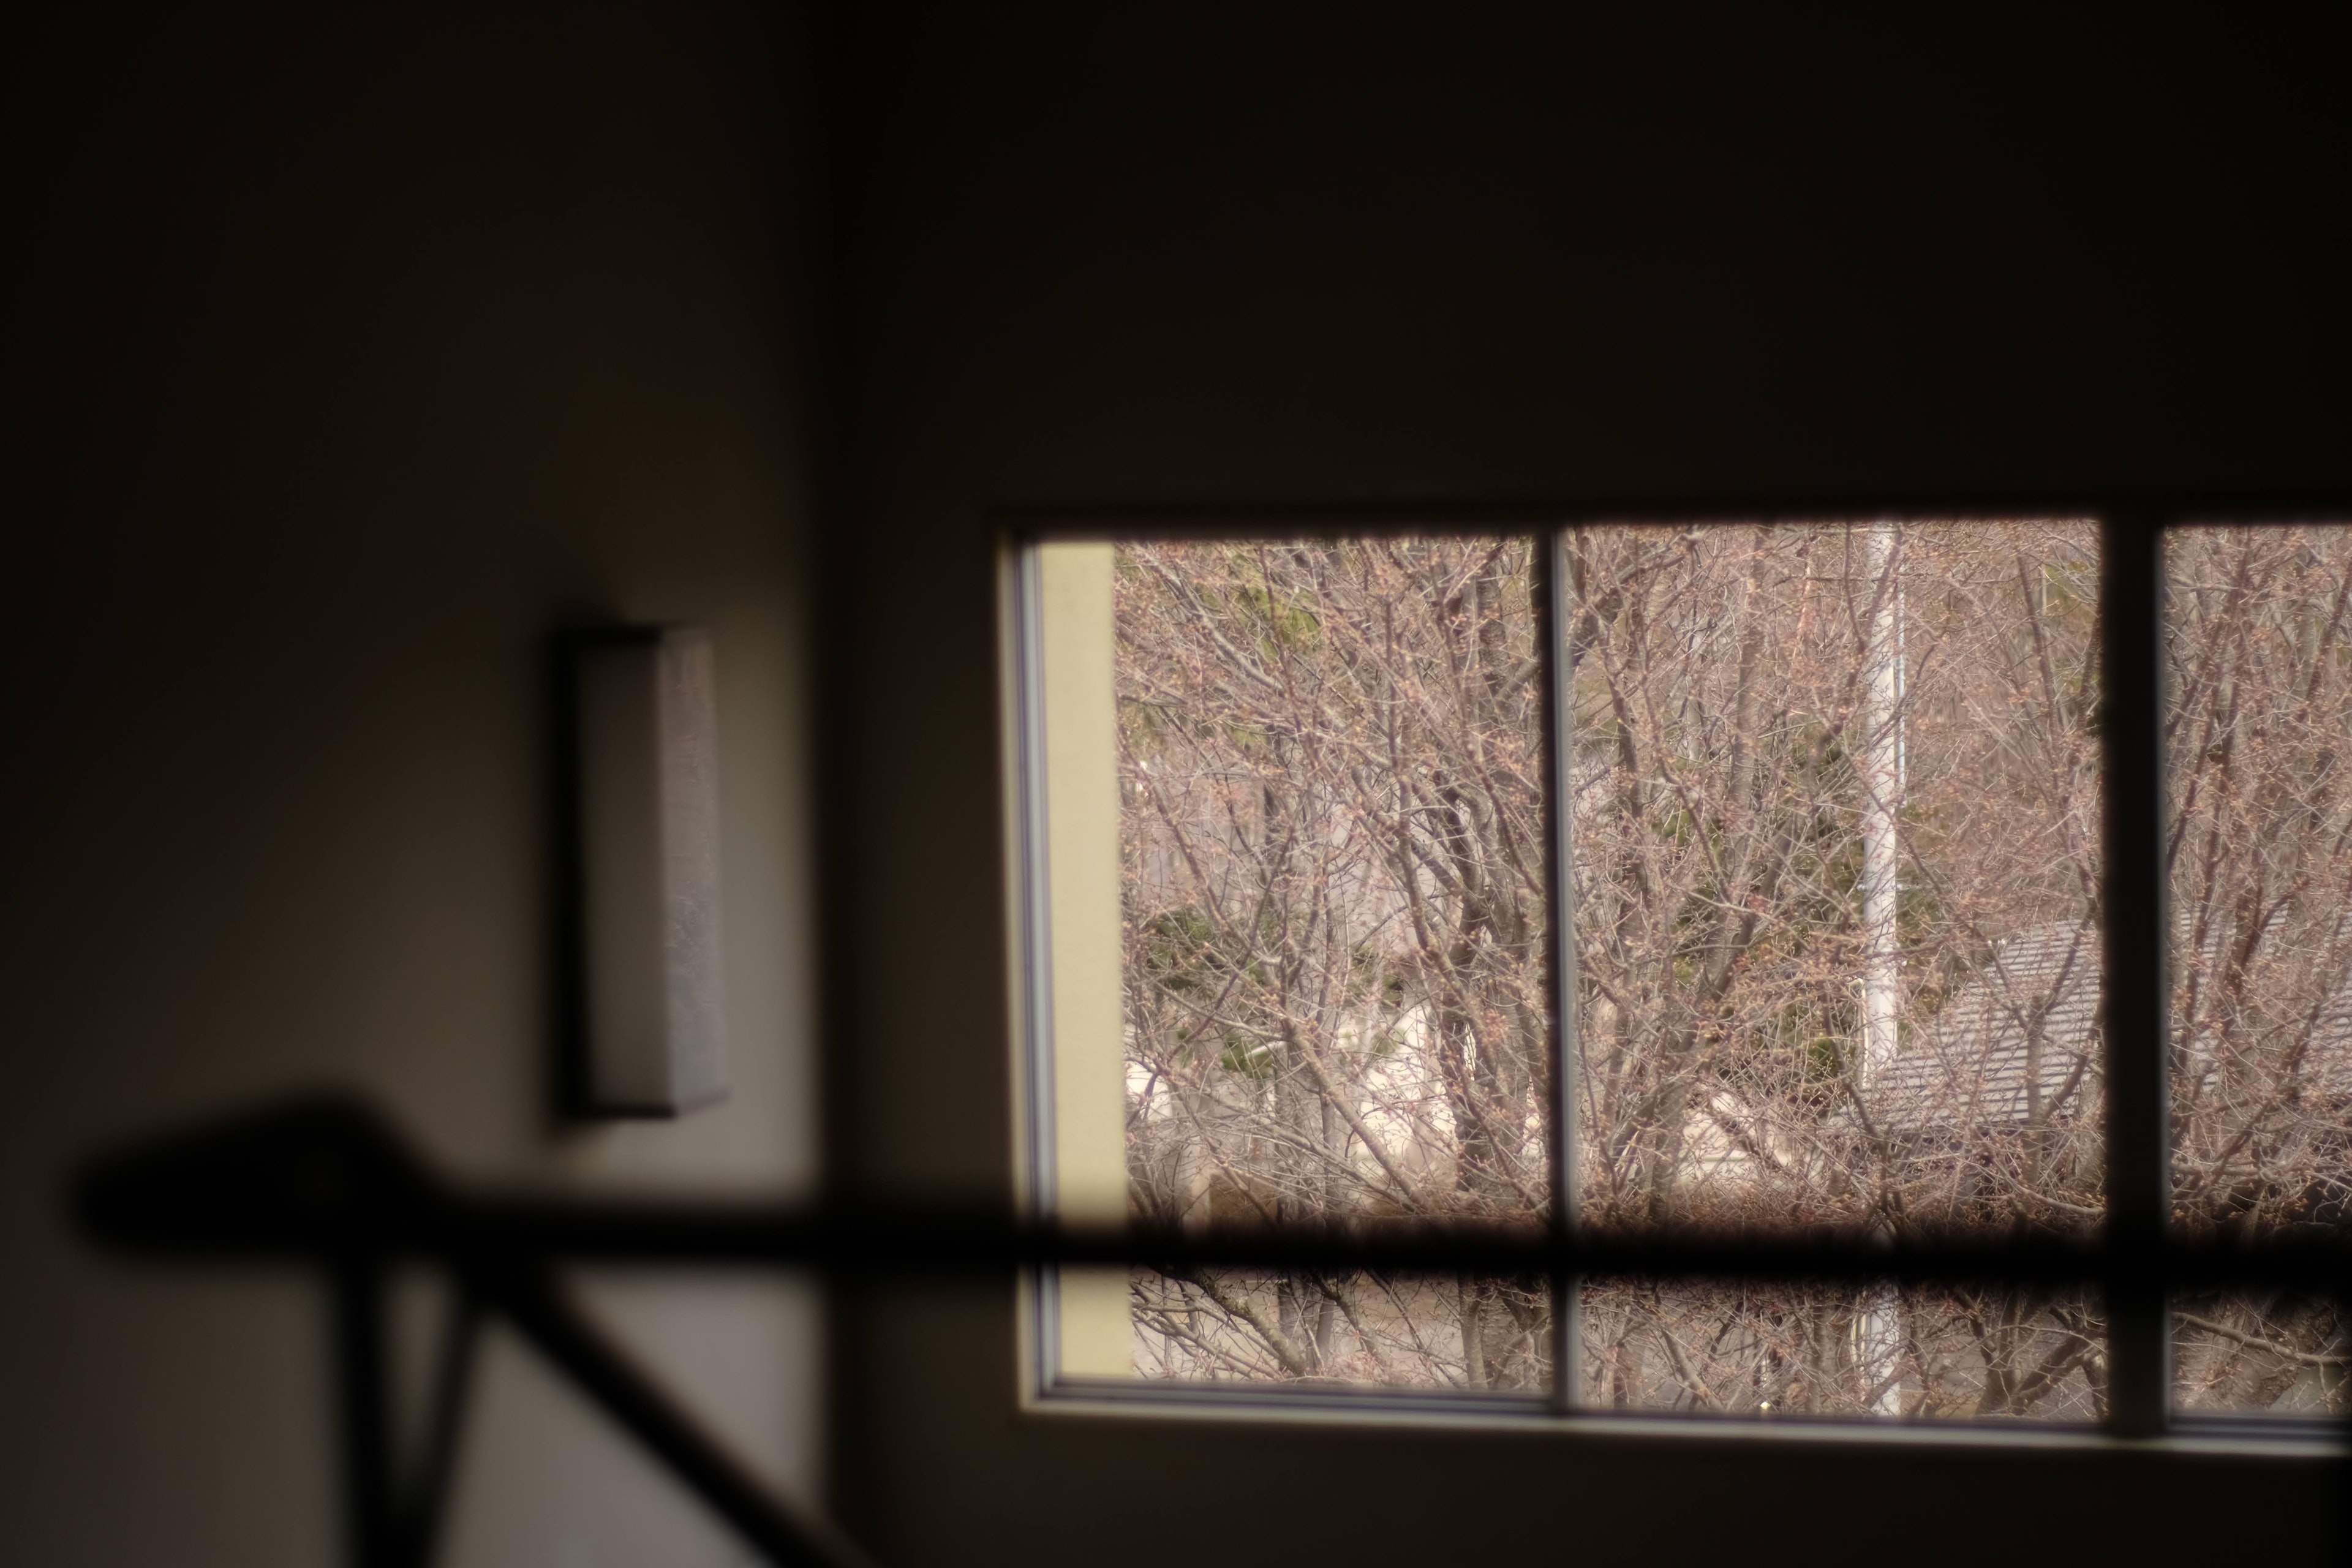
x: 1771, y: 1349
x: 2260, y: 668
x: 1391, y: 1331
x: 1332, y: 849
x: 1835, y: 833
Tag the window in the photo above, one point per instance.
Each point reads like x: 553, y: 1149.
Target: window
x: 2257, y: 715
x: 1701, y: 879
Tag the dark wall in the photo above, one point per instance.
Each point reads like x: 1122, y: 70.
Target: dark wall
x: 1169, y: 260
x: 352, y: 352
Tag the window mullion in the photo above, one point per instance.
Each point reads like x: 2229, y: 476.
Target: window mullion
x: 1559, y: 753
x: 2133, y: 901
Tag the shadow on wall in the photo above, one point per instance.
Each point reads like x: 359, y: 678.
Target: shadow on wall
x: 362, y: 351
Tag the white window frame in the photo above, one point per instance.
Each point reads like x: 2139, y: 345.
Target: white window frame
x: 2134, y: 992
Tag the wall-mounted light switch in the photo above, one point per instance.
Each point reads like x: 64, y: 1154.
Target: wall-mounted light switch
x: 646, y: 808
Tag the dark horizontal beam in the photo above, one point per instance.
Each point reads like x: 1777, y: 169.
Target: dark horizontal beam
x: 942, y: 1242
x: 326, y: 1180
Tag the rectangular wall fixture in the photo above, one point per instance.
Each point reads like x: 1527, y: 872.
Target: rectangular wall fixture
x: 644, y: 761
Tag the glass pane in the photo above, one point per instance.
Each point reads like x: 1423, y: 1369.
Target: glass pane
x: 1236, y: 1326
x: 2261, y: 1352
x: 1332, y: 849
x: 1769, y: 1349
x: 1835, y: 831
x: 2259, y: 652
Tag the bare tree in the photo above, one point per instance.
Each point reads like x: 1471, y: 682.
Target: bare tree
x: 1732, y: 752
x: 2260, y: 847
x: 1336, y: 1000
x: 1834, y: 855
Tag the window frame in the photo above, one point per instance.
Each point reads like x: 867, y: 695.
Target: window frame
x: 2134, y: 989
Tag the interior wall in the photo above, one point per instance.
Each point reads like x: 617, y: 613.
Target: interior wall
x: 356, y: 350
x: 1198, y: 262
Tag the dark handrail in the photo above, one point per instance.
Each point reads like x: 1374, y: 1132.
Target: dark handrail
x: 325, y: 1182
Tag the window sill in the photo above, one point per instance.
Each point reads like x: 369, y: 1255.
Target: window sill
x: 1376, y: 1409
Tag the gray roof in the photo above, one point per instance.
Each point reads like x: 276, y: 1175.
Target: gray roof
x: 2034, y: 1001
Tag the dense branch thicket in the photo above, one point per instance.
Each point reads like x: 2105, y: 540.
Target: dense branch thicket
x: 1724, y: 724
x: 1339, y: 961
x: 2260, y: 660
x: 1336, y: 849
